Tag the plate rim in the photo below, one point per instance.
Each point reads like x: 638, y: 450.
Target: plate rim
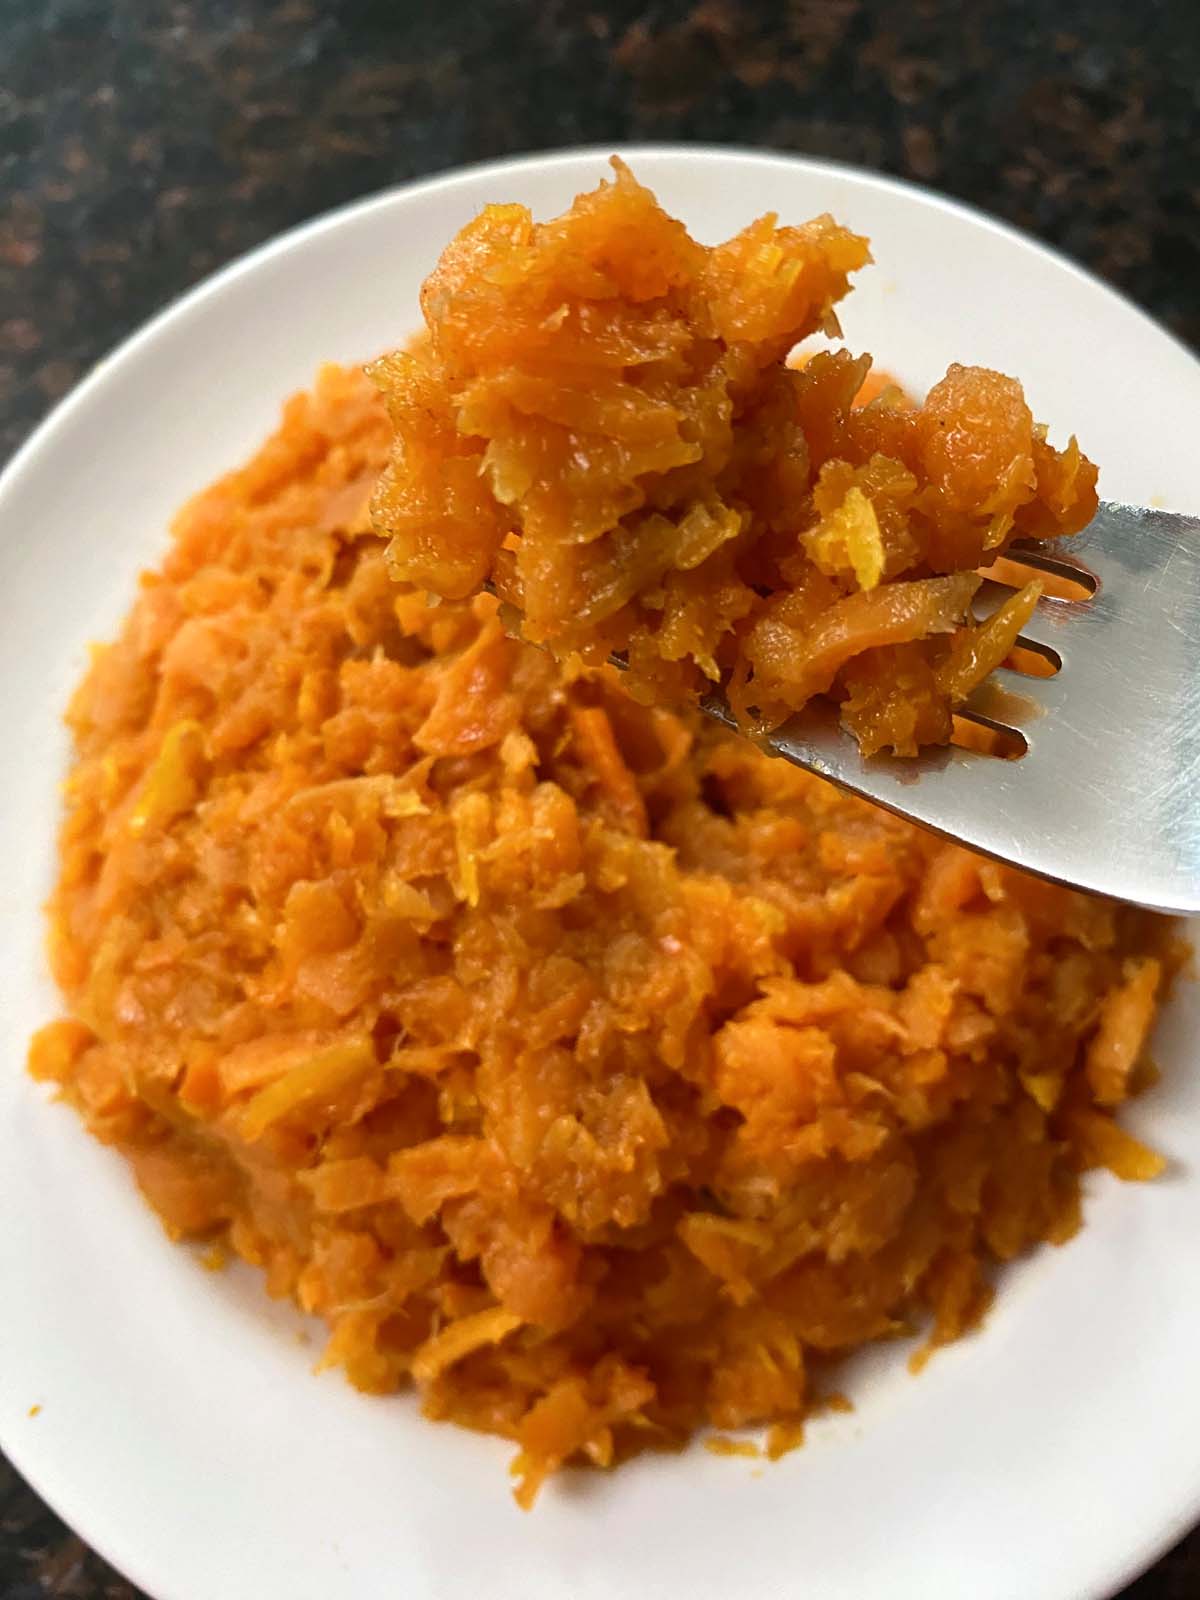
x: 562, y: 155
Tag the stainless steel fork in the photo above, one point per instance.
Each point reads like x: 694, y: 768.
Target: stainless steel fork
x: 1106, y: 795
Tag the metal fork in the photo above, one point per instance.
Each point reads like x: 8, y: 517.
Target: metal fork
x: 1106, y: 796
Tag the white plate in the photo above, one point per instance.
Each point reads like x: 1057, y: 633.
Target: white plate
x: 1048, y: 1458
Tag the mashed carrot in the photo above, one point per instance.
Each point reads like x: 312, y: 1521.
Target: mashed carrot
x: 576, y: 1063
x: 602, y: 425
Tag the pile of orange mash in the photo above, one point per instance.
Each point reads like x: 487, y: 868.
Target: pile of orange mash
x: 582, y: 1068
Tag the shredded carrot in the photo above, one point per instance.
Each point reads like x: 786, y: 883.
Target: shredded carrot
x: 720, y: 1444
x: 602, y: 422
x: 783, y: 1438
x: 314, y: 1081
x: 459, y: 1339
x: 1101, y: 1142
x: 593, y: 730
x: 578, y: 1065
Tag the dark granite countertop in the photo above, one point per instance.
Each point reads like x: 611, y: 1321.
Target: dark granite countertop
x: 144, y: 144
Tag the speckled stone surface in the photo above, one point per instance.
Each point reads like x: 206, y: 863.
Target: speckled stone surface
x: 144, y: 143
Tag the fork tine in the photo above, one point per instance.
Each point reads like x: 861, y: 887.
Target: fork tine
x: 1057, y: 559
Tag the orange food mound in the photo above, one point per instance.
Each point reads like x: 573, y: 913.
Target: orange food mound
x: 602, y: 426
x: 575, y: 1062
